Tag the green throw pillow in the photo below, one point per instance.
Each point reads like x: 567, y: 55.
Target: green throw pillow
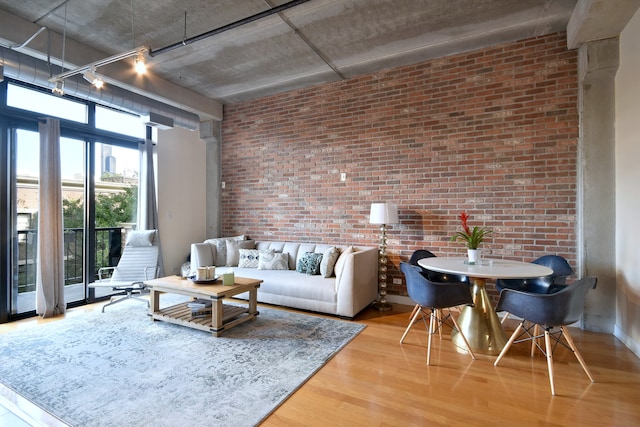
x: 309, y: 263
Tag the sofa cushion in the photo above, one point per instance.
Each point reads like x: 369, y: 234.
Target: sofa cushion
x: 291, y: 286
x: 329, y: 258
x: 273, y: 261
x: 309, y: 263
x: 233, y: 250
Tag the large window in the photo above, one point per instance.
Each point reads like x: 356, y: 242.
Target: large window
x: 100, y: 181
x: 39, y: 102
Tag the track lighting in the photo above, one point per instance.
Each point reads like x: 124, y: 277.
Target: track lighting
x: 58, y: 90
x: 89, y: 71
x: 91, y: 77
x: 140, y: 66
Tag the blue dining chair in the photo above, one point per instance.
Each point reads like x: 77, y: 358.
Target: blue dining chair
x: 434, y: 276
x: 548, y: 311
x: 540, y: 285
x: 435, y: 296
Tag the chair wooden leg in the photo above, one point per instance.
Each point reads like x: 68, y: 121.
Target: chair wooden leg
x: 466, y: 343
x: 547, y: 340
x: 416, y: 308
x: 432, y: 322
x: 576, y: 352
x: 534, y: 340
x: 512, y: 338
x: 411, y: 322
x: 504, y: 318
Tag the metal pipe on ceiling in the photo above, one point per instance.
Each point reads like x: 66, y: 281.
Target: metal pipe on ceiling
x: 219, y: 30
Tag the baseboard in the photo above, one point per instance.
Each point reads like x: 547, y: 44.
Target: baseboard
x: 631, y: 344
x: 399, y: 299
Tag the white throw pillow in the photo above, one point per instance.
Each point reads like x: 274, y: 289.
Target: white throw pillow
x: 249, y: 257
x: 341, y: 260
x: 329, y: 258
x: 273, y: 261
x: 140, y: 238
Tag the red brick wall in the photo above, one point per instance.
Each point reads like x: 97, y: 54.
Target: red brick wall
x: 493, y: 132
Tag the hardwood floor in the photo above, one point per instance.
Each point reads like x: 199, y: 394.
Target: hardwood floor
x: 375, y: 381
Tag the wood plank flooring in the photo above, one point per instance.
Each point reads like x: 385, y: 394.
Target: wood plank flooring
x: 375, y: 381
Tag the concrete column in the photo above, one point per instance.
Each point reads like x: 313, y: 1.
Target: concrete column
x: 211, y: 134
x: 598, y: 64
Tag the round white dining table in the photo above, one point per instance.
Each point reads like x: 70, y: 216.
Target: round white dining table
x: 479, y: 323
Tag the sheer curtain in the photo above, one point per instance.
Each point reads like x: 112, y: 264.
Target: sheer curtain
x: 147, y: 200
x: 50, y: 267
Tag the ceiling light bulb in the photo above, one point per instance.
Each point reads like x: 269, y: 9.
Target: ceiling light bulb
x: 58, y: 90
x: 140, y: 66
x: 91, y: 77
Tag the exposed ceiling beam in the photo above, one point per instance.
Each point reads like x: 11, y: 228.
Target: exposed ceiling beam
x: 598, y: 20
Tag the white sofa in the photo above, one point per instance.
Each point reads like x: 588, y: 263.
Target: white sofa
x: 351, y: 288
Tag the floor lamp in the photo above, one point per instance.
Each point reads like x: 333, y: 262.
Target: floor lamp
x: 383, y: 214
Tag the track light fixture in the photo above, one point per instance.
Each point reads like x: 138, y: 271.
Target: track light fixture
x: 91, y: 76
x: 58, y: 90
x: 89, y: 71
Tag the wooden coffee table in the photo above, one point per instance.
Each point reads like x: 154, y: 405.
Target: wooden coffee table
x: 223, y: 316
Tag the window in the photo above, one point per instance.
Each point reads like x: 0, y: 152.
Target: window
x: 97, y: 212
x: 119, y: 122
x: 40, y: 102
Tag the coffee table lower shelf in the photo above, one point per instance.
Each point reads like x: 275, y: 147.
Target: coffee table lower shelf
x: 180, y: 314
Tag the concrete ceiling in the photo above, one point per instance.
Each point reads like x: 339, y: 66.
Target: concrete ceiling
x: 314, y: 42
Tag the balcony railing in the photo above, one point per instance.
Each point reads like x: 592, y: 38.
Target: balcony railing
x: 108, y: 243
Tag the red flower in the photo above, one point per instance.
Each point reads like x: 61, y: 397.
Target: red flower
x: 464, y: 217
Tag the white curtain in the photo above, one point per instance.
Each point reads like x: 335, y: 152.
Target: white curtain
x: 50, y: 267
x: 147, y: 200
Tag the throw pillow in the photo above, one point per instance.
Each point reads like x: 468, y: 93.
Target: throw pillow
x: 233, y: 247
x: 329, y: 258
x: 273, y: 261
x: 341, y: 260
x: 221, y: 248
x: 249, y: 257
x: 140, y: 238
x: 309, y: 263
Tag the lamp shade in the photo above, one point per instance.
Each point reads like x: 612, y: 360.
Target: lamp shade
x: 383, y: 213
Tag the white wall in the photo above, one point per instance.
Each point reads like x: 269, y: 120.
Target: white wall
x: 628, y: 187
x: 181, y: 194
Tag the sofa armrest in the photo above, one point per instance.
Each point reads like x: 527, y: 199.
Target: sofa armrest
x: 357, y: 286
x: 202, y: 255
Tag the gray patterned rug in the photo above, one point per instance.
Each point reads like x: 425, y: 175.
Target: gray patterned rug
x: 119, y: 368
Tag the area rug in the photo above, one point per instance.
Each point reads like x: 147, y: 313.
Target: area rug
x: 119, y: 368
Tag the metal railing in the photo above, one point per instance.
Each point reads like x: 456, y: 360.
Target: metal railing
x: 107, y: 240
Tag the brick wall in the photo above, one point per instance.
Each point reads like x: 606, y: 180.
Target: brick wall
x: 493, y: 132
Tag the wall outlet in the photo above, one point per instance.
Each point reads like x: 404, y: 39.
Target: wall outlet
x: 397, y: 281
x: 343, y: 176
x: 223, y: 184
